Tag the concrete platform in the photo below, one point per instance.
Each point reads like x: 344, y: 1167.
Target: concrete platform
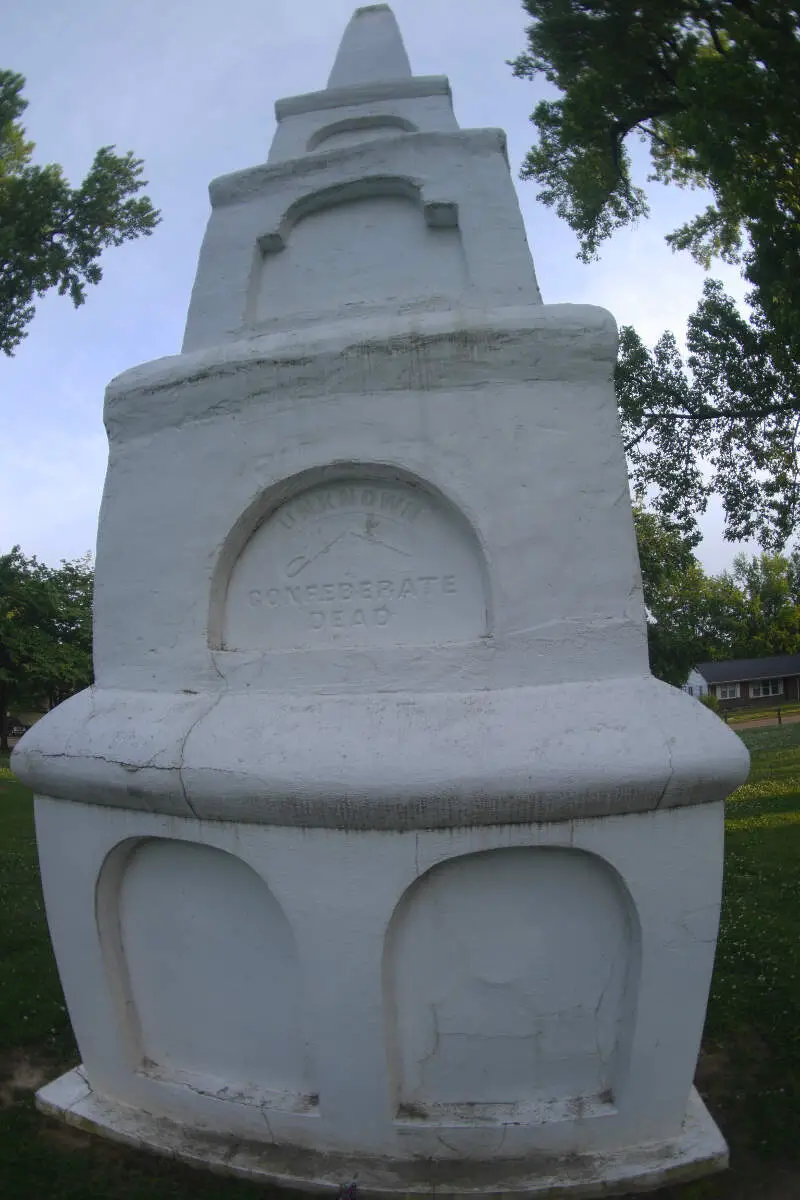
x: 699, y: 1150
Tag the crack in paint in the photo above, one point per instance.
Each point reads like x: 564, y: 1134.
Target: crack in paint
x: 182, y: 751
x: 427, y: 1058
x: 262, y: 1110
x: 670, y: 775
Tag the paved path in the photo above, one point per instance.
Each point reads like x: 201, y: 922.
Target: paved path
x: 757, y: 722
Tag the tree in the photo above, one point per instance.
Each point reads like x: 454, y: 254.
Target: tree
x: 691, y: 617
x: 73, y: 583
x: 751, y: 611
x: 667, y: 560
x: 45, y: 632
x: 52, y: 235
x: 770, y: 584
x: 712, y: 88
x: 726, y: 421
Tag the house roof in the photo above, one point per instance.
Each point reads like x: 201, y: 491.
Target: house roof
x: 737, y: 669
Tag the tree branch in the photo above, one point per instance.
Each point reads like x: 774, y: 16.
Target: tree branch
x: 722, y: 414
x: 629, y: 445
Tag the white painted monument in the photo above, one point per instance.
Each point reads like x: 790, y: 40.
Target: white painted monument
x: 376, y: 852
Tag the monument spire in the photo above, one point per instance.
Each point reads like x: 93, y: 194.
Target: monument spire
x: 371, y: 49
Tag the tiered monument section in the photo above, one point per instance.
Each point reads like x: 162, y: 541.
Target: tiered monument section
x: 376, y: 849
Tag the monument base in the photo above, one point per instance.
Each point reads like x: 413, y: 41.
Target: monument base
x: 528, y: 994
x: 698, y: 1150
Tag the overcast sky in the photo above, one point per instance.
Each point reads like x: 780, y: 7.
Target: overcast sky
x: 190, y: 85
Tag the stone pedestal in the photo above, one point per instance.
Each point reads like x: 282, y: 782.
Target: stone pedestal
x: 376, y: 851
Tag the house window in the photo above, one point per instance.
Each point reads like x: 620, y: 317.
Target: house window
x: 766, y: 687
x: 690, y: 689
x: 728, y: 691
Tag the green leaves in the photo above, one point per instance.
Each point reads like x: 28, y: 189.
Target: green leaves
x: 45, y: 631
x: 713, y: 89
x: 619, y: 68
x: 771, y: 587
x: 688, y: 612
x: 588, y: 185
x: 52, y: 235
x: 726, y: 421
x: 748, y: 612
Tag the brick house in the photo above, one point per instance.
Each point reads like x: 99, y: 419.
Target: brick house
x: 753, y: 682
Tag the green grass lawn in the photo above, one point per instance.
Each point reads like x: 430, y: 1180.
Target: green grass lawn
x: 771, y: 711
x: 749, y: 1071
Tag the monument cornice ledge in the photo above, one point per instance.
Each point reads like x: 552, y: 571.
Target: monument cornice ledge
x: 439, y: 351
x: 363, y: 93
x: 240, y: 186
x: 387, y: 762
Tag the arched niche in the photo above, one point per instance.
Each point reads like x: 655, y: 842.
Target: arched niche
x: 369, y: 242
x: 204, y: 969
x: 510, y: 979
x: 352, y: 130
x: 365, y: 557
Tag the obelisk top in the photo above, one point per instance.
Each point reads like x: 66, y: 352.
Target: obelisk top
x: 371, y: 92
x: 371, y: 49
x: 372, y: 201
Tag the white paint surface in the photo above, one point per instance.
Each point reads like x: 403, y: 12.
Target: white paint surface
x: 696, y: 685
x: 508, y: 974
x: 188, y: 917
x: 338, y: 255
x: 371, y: 49
x: 376, y: 918
x: 383, y: 843
x: 697, y: 1149
x: 358, y: 562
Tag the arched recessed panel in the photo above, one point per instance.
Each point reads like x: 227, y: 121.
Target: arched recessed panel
x: 359, y: 129
x: 507, y: 981
x: 342, y: 256
x: 358, y: 561
x: 211, y: 966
